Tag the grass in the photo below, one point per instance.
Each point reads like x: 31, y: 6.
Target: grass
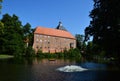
x: 5, y: 56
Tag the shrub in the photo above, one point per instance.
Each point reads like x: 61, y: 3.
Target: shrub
x: 29, y: 52
x: 40, y: 54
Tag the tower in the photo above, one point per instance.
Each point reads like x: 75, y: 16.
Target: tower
x: 61, y: 27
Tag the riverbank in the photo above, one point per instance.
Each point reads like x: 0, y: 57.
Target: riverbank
x: 6, y: 56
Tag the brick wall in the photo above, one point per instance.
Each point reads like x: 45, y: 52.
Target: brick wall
x: 52, y: 44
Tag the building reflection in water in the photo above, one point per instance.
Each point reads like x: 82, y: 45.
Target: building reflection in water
x: 45, y: 69
x: 53, y: 61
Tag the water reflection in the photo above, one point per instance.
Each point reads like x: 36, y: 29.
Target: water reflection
x: 36, y: 69
x: 94, y: 66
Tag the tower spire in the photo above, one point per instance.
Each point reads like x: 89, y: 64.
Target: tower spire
x: 60, y: 26
x: 60, y: 23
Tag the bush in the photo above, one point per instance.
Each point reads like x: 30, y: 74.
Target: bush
x: 29, y: 52
x: 60, y: 55
x: 40, y: 54
x: 72, y: 53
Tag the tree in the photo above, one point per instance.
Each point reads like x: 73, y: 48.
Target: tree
x: 31, y: 37
x: 105, y: 26
x: 79, y: 40
x: 1, y: 28
x: 1, y: 4
x: 27, y: 29
x: 1, y: 24
x: 29, y: 52
x: 1, y: 36
x: 89, y: 48
x: 12, y: 38
x: 28, y: 33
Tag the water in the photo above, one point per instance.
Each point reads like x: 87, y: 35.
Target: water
x: 47, y: 70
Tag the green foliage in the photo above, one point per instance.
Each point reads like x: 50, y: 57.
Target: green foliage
x: 29, y: 52
x: 26, y: 29
x: 40, y: 54
x: 11, y: 41
x: 1, y: 4
x: 72, y: 53
x: 1, y: 0
x: 105, y: 26
x: 93, y: 50
x: 65, y: 53
x: 102, y: 53
x: 1, y: 36
x: 79, y: 40
x: 61, y: 55
x: 1, y: 28
x: 5, y: 56
x: 28, y: 33
x: 89, y: 48
x: 31, y: 37
x: 81, y: 45
x: 12, y: 36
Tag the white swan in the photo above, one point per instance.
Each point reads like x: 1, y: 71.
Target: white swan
x: 71, y: 68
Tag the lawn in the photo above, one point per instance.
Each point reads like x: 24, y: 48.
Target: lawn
x: 5, y: 56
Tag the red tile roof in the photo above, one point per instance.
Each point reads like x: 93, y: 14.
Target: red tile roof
x: 53, y: 32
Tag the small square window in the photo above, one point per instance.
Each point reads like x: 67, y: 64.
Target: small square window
x: 40, y: 40
x: 40, y: 47
x: 37, y: 47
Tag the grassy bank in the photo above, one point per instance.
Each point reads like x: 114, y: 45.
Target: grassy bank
x: 5, y: 56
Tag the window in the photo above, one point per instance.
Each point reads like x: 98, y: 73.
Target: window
x: 45, y: 40
x: 45, y: 36
x: 37, y: 35
x: 37, y: 40
x: 48, y: 42
x: 71, y: 45
x: 40, y: 36
x: 40, y: 47
x: 40, y: 40
x: 37, y: 47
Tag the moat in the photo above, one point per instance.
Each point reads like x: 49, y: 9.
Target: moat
x: 36, y: 69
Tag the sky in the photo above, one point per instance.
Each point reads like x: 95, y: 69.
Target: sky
x: 74, y: 14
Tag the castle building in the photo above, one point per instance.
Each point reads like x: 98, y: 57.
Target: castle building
x: 51, y: 40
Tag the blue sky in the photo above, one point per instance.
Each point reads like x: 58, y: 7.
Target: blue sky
x: 74, y: 14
